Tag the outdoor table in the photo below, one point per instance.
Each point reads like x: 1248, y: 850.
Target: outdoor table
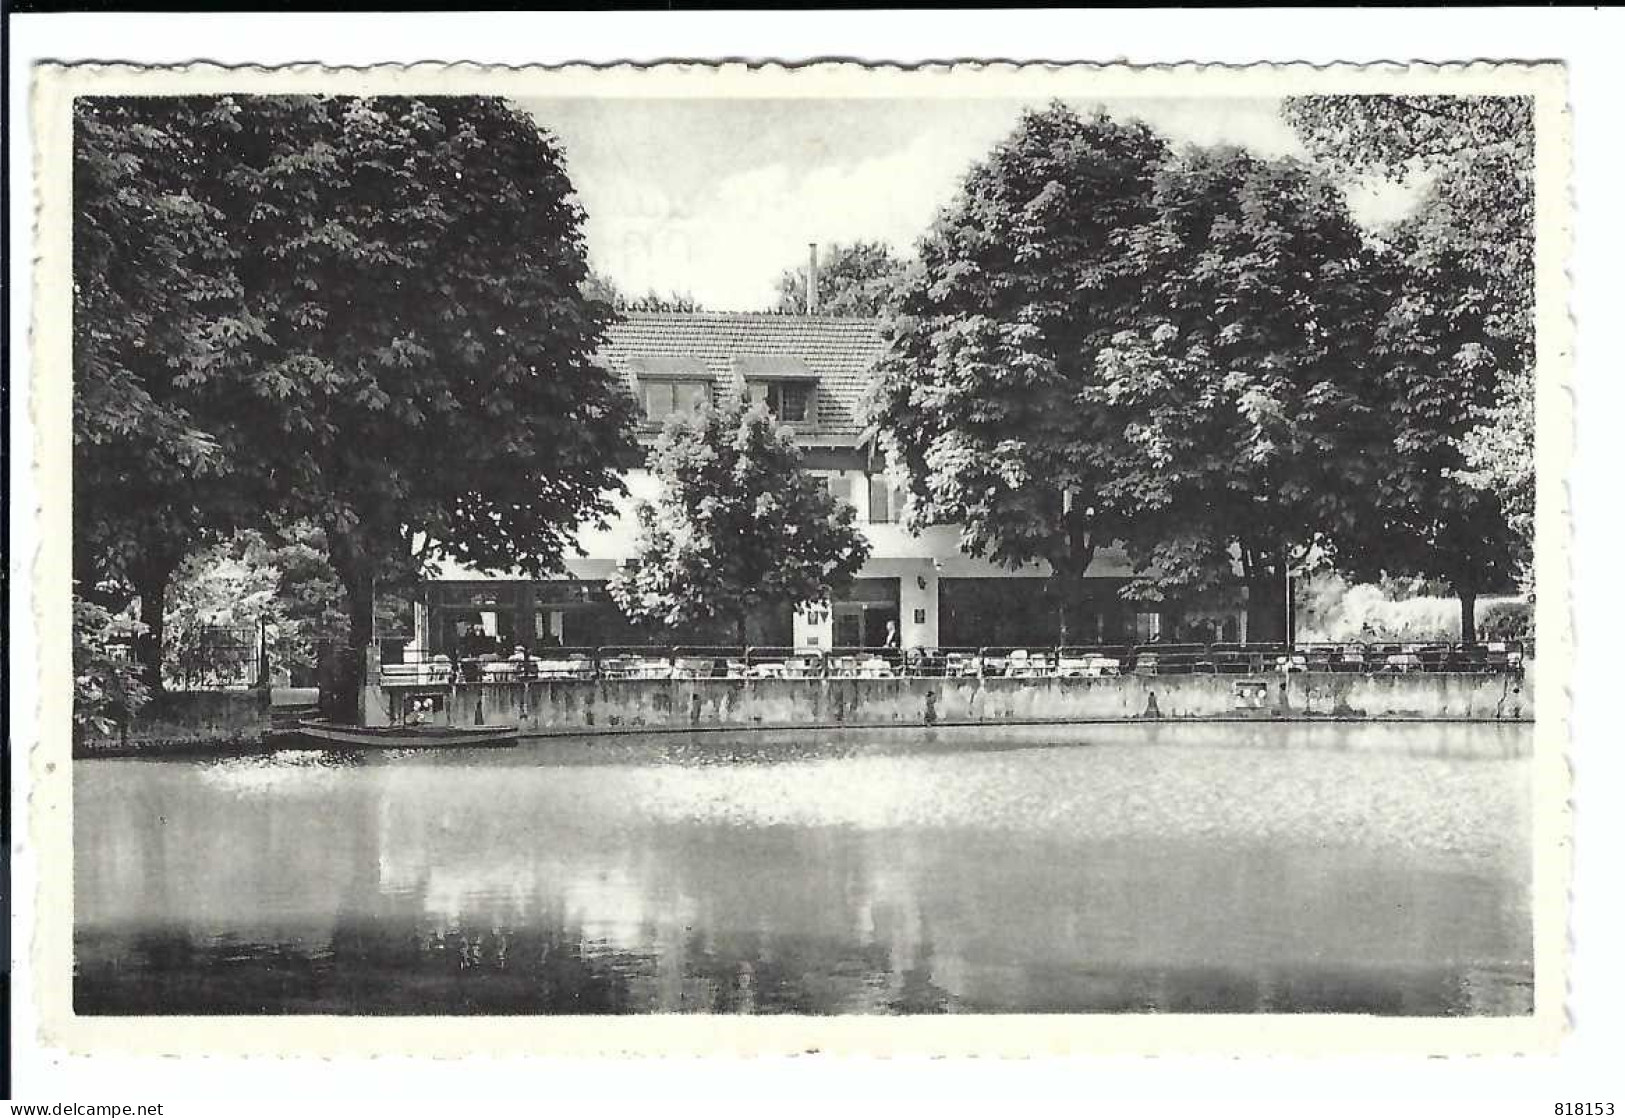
x: 1404, y: 662
x: 1090, y: 666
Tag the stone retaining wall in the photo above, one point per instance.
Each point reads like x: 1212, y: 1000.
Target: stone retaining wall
x: 179, y: 719
x: 566, y: 706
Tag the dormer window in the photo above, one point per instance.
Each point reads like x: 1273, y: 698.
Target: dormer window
x: 786, y: 384
x: 670, y: 386
x: 789, y: 401
x: 673, y: 397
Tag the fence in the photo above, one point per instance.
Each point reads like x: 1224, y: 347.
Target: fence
x: 227, y: 658
x: 214, y: 658
x: 405, y: 665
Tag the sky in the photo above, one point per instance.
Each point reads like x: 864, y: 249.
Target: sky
x: 715, y: 198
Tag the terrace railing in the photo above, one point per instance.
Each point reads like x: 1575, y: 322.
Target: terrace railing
x: 409, y: 666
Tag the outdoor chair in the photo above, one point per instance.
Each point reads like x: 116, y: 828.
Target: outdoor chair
x: 1073, y: 667
x: 876, y: 667
x: 1318, y: 658
x: 1403, y: 659
x: 800, y: 667
x: 440, y: 669
x: 399, y: 675
x: 645, y: 667
x: 692, y: 667
x: 845, y: 667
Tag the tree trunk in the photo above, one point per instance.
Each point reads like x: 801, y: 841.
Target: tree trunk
x: 356, y: 574
x: 1469, y: 623
x: 740, y: 632
x: 150, y: 578
x: 1067, y: 570
x: 1266, y: 608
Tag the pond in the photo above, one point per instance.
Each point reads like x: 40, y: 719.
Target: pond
x: 1265, y: 867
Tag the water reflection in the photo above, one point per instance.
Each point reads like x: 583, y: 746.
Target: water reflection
x: 1041, y: 869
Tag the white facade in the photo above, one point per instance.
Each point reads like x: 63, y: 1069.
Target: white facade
x: 668, y: 359
x: 916, y: 561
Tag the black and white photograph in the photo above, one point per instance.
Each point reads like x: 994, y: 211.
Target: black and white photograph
x: 811, y: 543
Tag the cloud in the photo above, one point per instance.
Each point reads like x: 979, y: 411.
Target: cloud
x: 717, y: 202
x: 729, y: 245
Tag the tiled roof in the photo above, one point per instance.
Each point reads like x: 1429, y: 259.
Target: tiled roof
x: 841, y: 351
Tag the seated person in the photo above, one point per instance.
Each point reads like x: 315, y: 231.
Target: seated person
x: 478, y: 643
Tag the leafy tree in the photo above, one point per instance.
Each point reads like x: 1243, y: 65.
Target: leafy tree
x: 153, y: 279
x: 222, y: 592
x: 416, y: 376
x: 107, y: 686
x: 217, y: 599
x: 739, y: 525
x: 604, y: 290
x: 1238, y: 397
x: 1023, y: 279
x: 1471, y: 235
x: 854, y: 281
x: 1106, y: 342
x: 360, y: 313
x: 1427, y: 516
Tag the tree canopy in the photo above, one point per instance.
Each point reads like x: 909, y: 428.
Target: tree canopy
x: 396, y: 347
x: 1470, y: 246
x: 854, y: 280
x: 739, y: 525
x: 1112, y: 342
x: 1022, y: 280
x: 604, y: 290
x: 154, y: 277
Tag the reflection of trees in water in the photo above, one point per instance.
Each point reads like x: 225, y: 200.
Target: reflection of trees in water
x: 723, y: 928
x: 375, y: 969
x: 436, y: 889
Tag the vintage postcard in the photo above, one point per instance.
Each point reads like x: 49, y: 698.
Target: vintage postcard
x: 704, y: 558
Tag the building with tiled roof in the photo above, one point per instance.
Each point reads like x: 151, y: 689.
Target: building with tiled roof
x: 813, y: 372
x: 727, y: 351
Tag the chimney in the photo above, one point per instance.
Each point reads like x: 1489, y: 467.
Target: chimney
x: 812, y: 278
